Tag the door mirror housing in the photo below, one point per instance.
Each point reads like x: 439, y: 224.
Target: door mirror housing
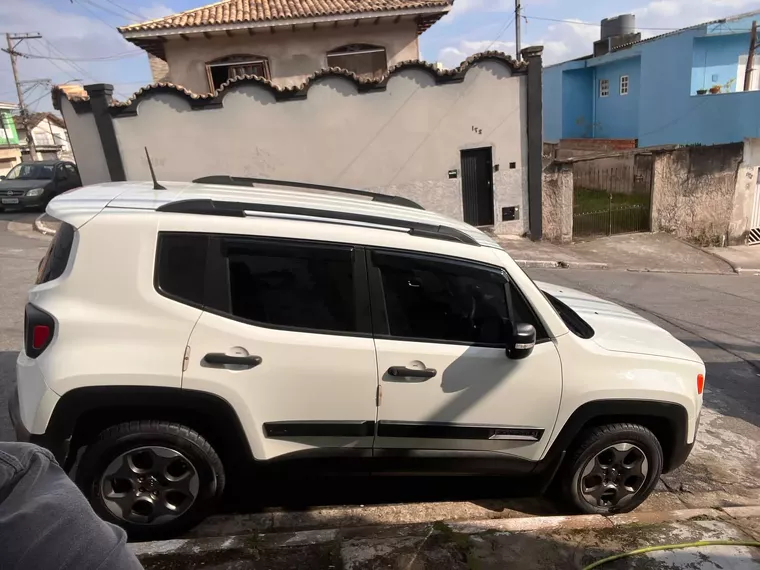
x: 522, y: 342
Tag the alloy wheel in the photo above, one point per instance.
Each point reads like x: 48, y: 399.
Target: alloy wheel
x: 614, y: 475
x: 149, y: 485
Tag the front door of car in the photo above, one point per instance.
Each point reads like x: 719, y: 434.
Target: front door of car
x: 445, y: 379
x: 285, y: 337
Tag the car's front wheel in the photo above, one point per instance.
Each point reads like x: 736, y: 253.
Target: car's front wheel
x: 613, y: 469
x: 155, y: 479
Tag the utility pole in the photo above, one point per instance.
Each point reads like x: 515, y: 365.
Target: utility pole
x: 750, y: 57
x: 23, y: 112
x: 517, y: 29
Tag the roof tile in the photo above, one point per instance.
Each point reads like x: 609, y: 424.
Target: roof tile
x: 234, y: 11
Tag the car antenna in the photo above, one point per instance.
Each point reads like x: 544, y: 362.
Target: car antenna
x: 156, y: 185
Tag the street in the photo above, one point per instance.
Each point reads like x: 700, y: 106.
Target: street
x: 717, y: 315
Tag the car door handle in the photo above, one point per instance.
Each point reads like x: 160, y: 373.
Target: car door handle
x: 221, y: 358
x: 412, y: 372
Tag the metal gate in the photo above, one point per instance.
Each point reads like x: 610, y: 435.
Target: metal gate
x: 754, y: 227
x: 610, y: 198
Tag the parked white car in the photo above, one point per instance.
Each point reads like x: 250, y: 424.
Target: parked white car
x: 173, y: 332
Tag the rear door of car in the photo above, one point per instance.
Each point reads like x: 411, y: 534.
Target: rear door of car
x: 285, y: 337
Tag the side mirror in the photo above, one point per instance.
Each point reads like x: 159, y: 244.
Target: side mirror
x: 522, y: 342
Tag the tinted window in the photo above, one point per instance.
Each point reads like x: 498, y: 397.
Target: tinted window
x: 300, y: 286
x: 432, y: 300
x: 181, y: 266
x: 54, y: 263
x: 70, y: 170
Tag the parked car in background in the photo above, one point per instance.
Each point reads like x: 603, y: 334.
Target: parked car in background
x: 34, y: 184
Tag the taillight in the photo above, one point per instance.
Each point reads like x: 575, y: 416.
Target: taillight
x: 700, y: 383
x: 39, y: 327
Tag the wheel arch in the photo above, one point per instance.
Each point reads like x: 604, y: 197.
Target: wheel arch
x: 668, y: 421
x: 82, y: 413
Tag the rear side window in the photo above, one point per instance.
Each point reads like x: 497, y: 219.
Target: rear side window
x: 290, y: 285
x: 181, y: 266
x: 57, y: 256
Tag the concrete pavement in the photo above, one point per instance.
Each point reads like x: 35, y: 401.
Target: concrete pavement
x: 527, y: 543
x: 742, y: 258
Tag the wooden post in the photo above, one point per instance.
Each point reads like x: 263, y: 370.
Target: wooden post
x: 750, y: 56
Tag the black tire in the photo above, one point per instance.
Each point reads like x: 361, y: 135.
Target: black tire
x: 121, y: 438
x: 593, y: 442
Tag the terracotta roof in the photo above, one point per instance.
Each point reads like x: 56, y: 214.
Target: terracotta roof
x: 242, y: 11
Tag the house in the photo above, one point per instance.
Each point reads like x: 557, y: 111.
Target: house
x: 51, y: 140
x: 10, y: 155
x: 284, y: 42
x: 681, y: 87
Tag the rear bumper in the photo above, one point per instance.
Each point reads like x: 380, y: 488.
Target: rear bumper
x: 59, y: 447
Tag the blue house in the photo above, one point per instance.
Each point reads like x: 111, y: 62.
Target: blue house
x: 652, y: 89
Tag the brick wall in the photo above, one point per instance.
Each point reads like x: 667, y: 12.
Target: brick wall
x: 158, y: 68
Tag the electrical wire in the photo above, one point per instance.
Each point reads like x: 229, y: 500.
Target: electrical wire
x: 697, y: 544
x: 109, y: 11
x: 128, y: 11
x: 597, y: 24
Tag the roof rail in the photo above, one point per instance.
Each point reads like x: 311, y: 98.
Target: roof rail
x: 227, y: 180
x: 206, y: 206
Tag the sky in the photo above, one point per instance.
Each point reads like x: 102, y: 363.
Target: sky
x: 80, y: 43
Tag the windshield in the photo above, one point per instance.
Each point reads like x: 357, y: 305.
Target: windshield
x: 31, y: 171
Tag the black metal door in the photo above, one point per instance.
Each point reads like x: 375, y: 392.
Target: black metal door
x: 477, y: 186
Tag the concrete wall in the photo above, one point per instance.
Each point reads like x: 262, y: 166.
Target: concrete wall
x: 613, y: 173
x: 617, y: 116
x: 694, y: 191
x: 576, y: 103
x: 403, y: 140
x: 9, y: 157
x: 747, y: 180
x: 557, y: 202
x: 293, y: 56
x: 88, y: 150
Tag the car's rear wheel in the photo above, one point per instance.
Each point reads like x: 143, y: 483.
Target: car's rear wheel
x: 155, y: 479
x: 613, y: 469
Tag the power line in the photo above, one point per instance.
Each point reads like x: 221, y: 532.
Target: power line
x: 597, y: 24
x: 108, y: 10
x: 136, y: 15
x: 113, y: 57
x: 94, y: 14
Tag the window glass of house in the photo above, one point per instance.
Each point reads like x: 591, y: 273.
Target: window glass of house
x: 624, y: 85
x: 299, y: 286
x: 604, y: 87
x: 427, y: 299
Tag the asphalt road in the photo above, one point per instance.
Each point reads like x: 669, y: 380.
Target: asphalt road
x: 718, y: 315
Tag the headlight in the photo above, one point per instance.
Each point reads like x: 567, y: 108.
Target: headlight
x: 35, y: 192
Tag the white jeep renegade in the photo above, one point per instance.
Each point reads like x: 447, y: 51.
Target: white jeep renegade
x: 173, y: 332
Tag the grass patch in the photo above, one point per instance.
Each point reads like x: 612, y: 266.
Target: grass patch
x: 586, y: 200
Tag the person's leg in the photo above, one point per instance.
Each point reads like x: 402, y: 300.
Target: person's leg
x: 46, y: 522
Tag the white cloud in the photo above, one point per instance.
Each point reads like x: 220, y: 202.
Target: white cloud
x: 452, y: 56
x: 156, y: 11
x: 463, y: 6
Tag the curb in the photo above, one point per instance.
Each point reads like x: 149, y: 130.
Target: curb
x: 257, y: 541
x: 733, y: 266
x: 546, y: 264
x: 41, y: 227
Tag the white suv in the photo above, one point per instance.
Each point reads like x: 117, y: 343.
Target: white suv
x: 175, y: 332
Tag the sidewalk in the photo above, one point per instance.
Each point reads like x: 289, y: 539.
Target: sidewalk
x: 525, y: 544
x: 656, y: 252
x: 743, y: 258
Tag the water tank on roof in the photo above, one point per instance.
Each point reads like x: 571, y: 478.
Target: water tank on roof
x: 618, y: 26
